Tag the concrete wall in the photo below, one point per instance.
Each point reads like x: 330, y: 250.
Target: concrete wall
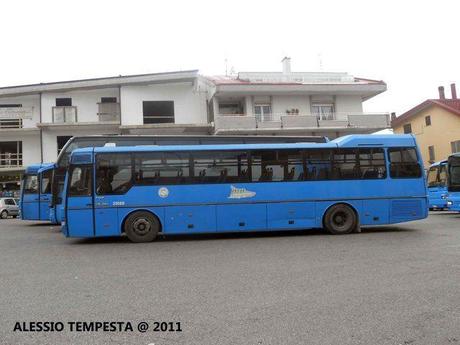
x: 85, y: 101
x: 189, y: 102
x: 445, y: 128
x: 50, y: 139
x: 282, y: 103
x: 348, y: 105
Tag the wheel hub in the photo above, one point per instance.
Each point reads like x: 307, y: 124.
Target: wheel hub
x: 141, y: 226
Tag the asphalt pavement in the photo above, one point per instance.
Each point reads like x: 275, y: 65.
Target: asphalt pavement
x: 387, y: 285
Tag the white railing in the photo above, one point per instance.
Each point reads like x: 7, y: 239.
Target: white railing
x: 10, y: 160
x: 10, y: 123
x: 65, y: 114
x: 280, y: 120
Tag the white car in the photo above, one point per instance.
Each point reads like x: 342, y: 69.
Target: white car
x: 8, y: 207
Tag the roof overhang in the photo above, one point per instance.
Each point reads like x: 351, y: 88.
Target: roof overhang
x: 98, y: 83
x: 366, y: 91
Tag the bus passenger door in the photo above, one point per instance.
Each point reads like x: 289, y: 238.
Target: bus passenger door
x: 30, y: 198
x: 113, y: 181
x: 45, y: 194
x: 79, y: 202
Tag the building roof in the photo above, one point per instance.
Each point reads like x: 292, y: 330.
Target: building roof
x: 451, y: 105
x: 293, y: 78
x: 136, y: 79
x: 296, y: 83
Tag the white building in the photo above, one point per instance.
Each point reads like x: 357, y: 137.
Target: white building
x: 37, y: 120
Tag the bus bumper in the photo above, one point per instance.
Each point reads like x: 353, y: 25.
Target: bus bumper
x: 453, y: 204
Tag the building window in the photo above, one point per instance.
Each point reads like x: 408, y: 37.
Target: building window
x: 61, y: 141
x: 10, y: 154
x: 428, y: 120
x: 108, y: 100
x: 455, y: 145
x: 323, y: 111
x: 230, y: 108
x: 263, y: 112
x: 158, y: 111
x: 63, y: 102
x: 407, y: 128
x: 431, y: 154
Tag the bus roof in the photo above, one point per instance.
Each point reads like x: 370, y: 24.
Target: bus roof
x: 34, y: 168
x: 46, y: 167
x: 390, y: 140
x: 435, y: 164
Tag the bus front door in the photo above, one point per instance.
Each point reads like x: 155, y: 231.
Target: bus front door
x: 30, y: 198
x: 79, y: 202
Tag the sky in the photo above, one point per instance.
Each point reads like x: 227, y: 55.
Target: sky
x: 411, y: 45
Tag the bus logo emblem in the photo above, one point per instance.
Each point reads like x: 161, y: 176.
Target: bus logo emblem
x: 240, y: 193
x: 163, y: 192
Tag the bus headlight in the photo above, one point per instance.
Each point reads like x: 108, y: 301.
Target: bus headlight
x: 444, y: 196
x: 449, y: 203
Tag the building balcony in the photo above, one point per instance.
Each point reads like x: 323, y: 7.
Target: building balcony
x: 64, y: 114
x: 108, y: 112
x: 354, y: 122
x: 10, y: 160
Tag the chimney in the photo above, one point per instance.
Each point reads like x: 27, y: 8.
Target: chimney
x: 286, y: 65
x: 393, y: 116
x: 453, y: 90
x: 441, y: 92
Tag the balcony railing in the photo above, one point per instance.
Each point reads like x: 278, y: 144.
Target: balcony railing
x: 284, y: 121
x: 10, y: 160
x: 108, y: 112
x: 64, y: 114
x: 10, y: 123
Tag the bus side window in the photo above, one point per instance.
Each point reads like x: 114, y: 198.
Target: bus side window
x: 318, y: 164
x: 45, y: 187
x: 372, y: 163
x: 404, y: 163
x: 113, y: 173
x: 220, y: 167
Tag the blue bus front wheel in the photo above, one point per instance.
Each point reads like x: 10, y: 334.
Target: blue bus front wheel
x: 141, y: 226
x: 340, y: 219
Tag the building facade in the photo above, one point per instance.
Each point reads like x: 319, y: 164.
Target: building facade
x: 436, y: 125
x: 37, y: 120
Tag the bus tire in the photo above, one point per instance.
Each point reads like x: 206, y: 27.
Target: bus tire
x: 4, y: 214
x: 141, y: 226
x: 340, y: 219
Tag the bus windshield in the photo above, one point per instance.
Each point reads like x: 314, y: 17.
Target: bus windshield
x: 437, y: 176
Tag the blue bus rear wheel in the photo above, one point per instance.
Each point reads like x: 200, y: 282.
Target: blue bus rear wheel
x: 141, y: 226
x: 340, y: 219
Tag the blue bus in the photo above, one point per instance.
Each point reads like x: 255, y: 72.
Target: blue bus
x: 453, y: 182
x: 36, y: 192
x: 437, y: 186
x: 62, y: 162
x: 142, y: 191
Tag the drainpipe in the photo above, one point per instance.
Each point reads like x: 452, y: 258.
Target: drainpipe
x: 41, y: 131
